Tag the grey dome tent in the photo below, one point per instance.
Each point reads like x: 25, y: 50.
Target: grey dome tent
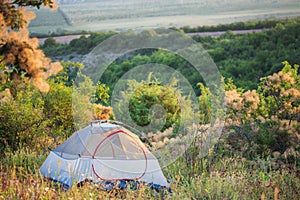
x: 101, y: 152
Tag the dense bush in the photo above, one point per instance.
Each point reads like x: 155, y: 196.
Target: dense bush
x: 29, y: 117
x: 21, y: 118
x: 280, y: 105
x: 149, y: 102
x: 147, y: 96
x: 263, y: 121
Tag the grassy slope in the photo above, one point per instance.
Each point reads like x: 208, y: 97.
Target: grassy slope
x: 226, y: 178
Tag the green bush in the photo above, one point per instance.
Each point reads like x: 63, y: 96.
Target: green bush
x: 22, y: 119
x: 149, y: 95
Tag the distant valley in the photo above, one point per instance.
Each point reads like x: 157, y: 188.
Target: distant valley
x: 103, y: 15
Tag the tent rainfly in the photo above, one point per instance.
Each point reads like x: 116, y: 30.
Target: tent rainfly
x: 102, y: 152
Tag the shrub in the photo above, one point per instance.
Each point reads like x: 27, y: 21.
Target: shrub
x: 149, y: 95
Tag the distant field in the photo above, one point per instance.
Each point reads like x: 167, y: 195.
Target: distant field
x: 101, y: 15
x: 48, y: 20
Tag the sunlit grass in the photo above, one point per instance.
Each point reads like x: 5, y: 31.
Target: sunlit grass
x: 228, y: 177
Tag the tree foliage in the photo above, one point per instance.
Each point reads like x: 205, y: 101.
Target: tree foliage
x: 243, y: 57
x: 147, y: 96
x: 21, y: 54
x: 29, y: 117
x: 261, y: 121
x: 247, y: 25
x: 153, y: 106
x: 22, y: 118
x: 248, y: 57
x: 118, y: 68
x: 282, y: 93
x: 268, y: 118
x: 14, y: 17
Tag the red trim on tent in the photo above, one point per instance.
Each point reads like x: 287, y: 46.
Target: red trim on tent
x: 111, y: 134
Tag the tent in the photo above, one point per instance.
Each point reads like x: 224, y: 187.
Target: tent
x: 102, y: 152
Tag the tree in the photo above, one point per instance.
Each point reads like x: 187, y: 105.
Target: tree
x: 267, y: 118
x: 153, y: 106
x: 50, y: 42
x: 205, y: 107
x: 281, y: 93
x: 21, y: 55
x: 21, y: 118
x: 14, y: 17
x: 87, y: 98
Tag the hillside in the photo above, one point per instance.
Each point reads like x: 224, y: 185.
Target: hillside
x: 92, y: 15
x: 223, y: 121
x: 243, y: 57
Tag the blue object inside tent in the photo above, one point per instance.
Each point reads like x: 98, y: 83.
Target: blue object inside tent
x: 133, y: 185
x: 122, y: 184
